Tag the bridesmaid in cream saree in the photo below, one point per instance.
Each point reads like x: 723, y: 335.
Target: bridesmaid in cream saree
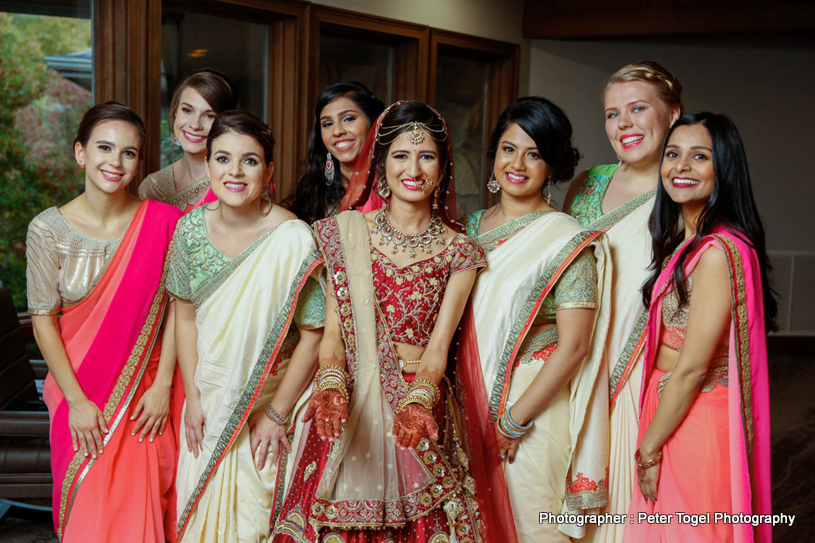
x: 641, y: 103
x: 249, y: 321
x: 532, y: 383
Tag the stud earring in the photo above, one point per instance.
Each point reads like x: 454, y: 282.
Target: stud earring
x: 493, y: 185
x: 329, y: 170
x: 383, y: 189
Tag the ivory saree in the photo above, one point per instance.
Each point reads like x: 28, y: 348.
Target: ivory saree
x: 246, y: 308
x: 718, y: 459
x: 561, y: 465
x: 112, y: 337
x: 630, y: 244
x: 363, y: 487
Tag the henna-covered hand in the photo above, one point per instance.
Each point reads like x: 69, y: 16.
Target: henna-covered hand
x: 330, y: 411
x: 507, y: 447
x: 412, y: 423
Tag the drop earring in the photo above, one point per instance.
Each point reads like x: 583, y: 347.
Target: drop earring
x: 383, y: 190
x: 329, y: 170
x: 174, y: 140
x: 548, y: 191
x: 493, y: 185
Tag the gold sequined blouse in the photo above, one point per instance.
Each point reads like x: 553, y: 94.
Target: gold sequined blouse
x: 63, y: 265
x: 160, y: 186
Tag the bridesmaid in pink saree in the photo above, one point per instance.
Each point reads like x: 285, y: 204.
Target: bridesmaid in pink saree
x: 99, y: 261
x: 704, y: 439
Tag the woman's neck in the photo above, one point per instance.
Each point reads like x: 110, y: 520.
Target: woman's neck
x: 409, y: 217
x: 346, y: 171
x: 238, y: 217
x: 511, y: 208
x: 195, y: 166
x: 691, y: 213
x: 643, y: 175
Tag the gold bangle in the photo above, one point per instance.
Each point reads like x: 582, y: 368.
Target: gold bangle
x: 651, y: 463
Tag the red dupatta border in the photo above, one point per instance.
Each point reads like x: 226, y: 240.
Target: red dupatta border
x: 263, y: 367
x: 448, y: 483
x: 110, y: 386
x: 747, y: 360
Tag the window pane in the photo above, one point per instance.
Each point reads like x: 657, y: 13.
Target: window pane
x: 346, y: 59
x: 461, y: 97
x: 191, y: 41
x: 46, y: 74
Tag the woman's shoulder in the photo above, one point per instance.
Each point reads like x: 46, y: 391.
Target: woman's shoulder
x: 472, y: 221
x: 46, y: 218
x: 158, y: 185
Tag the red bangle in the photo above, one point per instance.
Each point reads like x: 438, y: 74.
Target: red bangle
x: 651, y: 463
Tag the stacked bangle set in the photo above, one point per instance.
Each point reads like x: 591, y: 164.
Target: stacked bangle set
x: 276, y: 417
x: 423, y: 392
x: 511, y: 429
x: 333, y: 378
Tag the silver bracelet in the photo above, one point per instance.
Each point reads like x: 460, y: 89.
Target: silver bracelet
x: 276, y: 417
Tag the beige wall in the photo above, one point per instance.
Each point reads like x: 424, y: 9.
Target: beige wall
x: 765, y: 87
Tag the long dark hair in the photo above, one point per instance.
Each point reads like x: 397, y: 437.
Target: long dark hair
x: 549, y: 127
x: 312, y: 197
x: 731, y: 204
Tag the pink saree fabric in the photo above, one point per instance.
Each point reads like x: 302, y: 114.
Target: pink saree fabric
x: 112, y: 339
x: 696, y: 476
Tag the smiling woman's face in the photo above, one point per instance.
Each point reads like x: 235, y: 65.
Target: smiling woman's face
x: 636, y: 121
x: 237, y: 171
x: 344, y: 128
x: 111, y: 156
x: 687, y: 166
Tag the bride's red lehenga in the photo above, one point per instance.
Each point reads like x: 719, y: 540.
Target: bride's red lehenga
x: 362, y: 487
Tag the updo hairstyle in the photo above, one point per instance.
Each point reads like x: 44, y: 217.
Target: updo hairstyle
x: 109, y: 111
x: 665, y: 85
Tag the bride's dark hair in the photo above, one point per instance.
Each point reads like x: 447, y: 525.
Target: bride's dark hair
x: 731, y: 205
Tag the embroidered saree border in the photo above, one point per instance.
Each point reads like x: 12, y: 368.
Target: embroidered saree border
x: 529, y: 310
x: 742, y: 344
x: 636, y: 339
x: 126, y: 384
x: 631, y: 351
x: 182, y: 195
x: 212, y: 284
x: 489, y: 240
x: 268, y: 355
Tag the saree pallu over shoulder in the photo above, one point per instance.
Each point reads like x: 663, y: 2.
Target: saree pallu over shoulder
x: 109, y: 337
x: 505, y: 301
x: 748, y: 390
x: 260, y: 287
x: 366, y: 481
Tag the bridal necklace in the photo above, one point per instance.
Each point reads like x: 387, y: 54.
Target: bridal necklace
x: 408, y: 242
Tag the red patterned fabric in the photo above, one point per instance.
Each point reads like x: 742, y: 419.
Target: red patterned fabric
x: 410, y: 297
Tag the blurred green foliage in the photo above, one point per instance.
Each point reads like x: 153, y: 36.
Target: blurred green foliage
x: 39, y: 114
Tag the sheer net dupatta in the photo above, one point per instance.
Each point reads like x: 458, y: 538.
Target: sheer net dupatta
x: 365, y: 464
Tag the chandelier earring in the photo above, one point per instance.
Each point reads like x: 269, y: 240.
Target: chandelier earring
x: 264, y: 196
x: 435, y: 205
x: 329, y: 170
x: 493, y: 185
x: 383, y: 190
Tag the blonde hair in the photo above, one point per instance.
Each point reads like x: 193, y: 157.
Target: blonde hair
x: 667, y: 87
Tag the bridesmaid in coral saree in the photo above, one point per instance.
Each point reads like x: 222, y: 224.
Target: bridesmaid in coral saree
x: 99, y: 261
x: 704, y: 438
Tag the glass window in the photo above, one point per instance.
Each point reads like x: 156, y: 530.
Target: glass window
x: 461, y: 97
x: 191, y: 41
x: 354, y: 59
x: 46, y: 75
